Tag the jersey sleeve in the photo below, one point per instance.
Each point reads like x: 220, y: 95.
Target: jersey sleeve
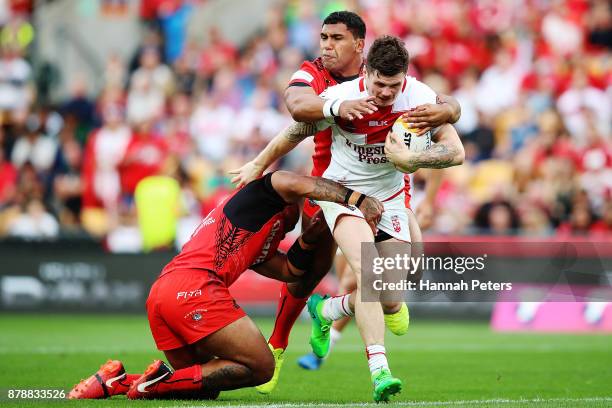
x: 308, y: 75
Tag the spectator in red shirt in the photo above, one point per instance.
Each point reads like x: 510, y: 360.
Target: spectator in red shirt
x: 8, y: 179
x: 105, y: 148
x: 145, y: 156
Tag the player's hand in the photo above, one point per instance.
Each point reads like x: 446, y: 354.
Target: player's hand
x: 247, y: 173
x: 356, y: 109
x: 425, y: 214
x: 372, y: 210
x: 428, y: 116
x: 395, y: 149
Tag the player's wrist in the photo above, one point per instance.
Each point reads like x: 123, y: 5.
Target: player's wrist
x: 449, y: 112
x: 354, y: 198
x: 331, y: 108
x: 259, y: 166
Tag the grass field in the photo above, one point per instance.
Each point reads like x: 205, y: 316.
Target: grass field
x: 441, y: 364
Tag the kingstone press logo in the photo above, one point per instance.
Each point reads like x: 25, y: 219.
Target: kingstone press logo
x: 369, y: 154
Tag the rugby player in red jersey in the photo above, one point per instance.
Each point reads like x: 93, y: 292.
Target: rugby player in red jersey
x: 206, y: 337
x: 341, y: 48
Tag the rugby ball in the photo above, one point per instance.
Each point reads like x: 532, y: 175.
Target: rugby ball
x: 415, y: 143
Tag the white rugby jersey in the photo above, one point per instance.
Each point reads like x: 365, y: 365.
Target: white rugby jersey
x: 358, y: 158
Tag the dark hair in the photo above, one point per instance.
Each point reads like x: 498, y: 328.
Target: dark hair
x: 352, y: 21
x: 388, y: 55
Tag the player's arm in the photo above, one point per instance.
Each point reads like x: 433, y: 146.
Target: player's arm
x: 446, y: 152
x: 278, y: 268
x: 279, y: 146
x: 452, y: 106
x: 430, y: 115
x: 305, y: 105
x: 292, y: 187
x: 292, y: 266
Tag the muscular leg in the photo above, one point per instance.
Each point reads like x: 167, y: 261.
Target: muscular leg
x: 326, y: 249
x: 347, y: 285
x: 349, y: 233
x: 393, y: 305
x: 347, y: 279
x: 293, y: 295
x: 243, y: 358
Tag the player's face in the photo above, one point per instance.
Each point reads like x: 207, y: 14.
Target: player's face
x: 339, y: 48
x: 384, y: 88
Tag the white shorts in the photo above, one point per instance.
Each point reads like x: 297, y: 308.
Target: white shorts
x: 394, y: 219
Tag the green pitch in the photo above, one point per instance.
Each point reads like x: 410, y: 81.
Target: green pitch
x: 441, y: 364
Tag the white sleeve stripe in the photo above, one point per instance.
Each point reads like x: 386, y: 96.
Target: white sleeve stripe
x: 301, y: 74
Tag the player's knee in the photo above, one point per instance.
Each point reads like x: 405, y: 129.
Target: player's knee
x: 263, y: 370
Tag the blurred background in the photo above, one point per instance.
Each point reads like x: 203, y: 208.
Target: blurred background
x: 97, y: 95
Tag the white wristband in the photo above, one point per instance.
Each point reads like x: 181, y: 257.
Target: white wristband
x: 327, y: 108
x: 335, y: 107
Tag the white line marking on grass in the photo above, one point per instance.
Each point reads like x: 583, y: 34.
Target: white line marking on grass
x: 420, y: 403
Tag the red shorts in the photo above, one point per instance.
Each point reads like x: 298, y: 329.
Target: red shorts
x: 187, y: 305
x: 310, y: 208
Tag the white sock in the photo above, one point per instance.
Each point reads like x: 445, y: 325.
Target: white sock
x: 377, y: 358
x: 336, y: 308
x: 334, y: 336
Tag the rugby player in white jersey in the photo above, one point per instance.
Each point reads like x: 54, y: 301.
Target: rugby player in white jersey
x: 367, y: 157
x: 341, y: 43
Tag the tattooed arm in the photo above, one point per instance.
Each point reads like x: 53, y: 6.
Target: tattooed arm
x: 446, y: 152
x: 282, y: 144
x: 291, y: 187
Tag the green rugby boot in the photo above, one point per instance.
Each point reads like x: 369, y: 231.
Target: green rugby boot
x: 319, y: 333
x: 385, y: 385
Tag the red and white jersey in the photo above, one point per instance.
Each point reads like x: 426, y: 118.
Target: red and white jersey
x: 358, y: 158
x: 314, y: 75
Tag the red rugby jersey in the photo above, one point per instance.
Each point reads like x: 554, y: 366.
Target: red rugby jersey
x: 242, y: 231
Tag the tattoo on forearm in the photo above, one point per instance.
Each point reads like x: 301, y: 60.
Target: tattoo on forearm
x: 438, y: 156
x: 299, y: 131
x: 327, y: 190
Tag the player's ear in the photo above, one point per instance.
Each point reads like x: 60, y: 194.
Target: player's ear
x: 359, y: 44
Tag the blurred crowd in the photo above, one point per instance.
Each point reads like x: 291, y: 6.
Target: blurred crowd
x: 534, y: 79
